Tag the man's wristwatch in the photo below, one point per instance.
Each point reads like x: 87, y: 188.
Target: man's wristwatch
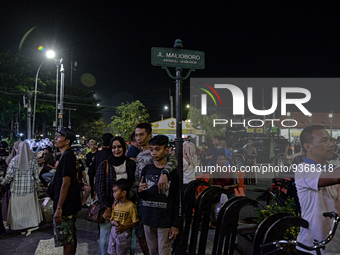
x: 165, y: 172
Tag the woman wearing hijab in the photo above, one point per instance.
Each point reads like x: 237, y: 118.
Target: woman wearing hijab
x: 23, y: 176
x: 119, y: 166
x: 189, y: 162
x: 249, y: 153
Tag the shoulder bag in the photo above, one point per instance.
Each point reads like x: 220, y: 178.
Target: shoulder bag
x: 94, y: 213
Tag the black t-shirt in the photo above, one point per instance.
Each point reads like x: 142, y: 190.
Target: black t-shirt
x: 100, y: 156
x: 214, y: 152
x: 160, y: 210
x: 80, y: 168
x: 89, y: 162
x: 133, y: 151
x: 49, y: 159
x: 67, y: 167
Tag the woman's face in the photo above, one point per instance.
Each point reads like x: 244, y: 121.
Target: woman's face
x: 117, y: 149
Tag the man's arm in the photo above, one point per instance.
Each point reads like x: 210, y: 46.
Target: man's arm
x: 329, y: 178
x: 171, y: 164
x: 63, y: 194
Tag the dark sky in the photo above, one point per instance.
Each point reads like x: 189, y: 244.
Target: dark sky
x: 112, y: 40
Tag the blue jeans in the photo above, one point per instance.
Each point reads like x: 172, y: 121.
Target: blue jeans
x: 47, y: 176
x: 104, y: 237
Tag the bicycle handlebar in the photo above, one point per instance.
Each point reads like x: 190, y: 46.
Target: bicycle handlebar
x: 317, y: 245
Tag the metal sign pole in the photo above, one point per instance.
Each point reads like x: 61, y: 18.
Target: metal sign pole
x: 179, y: 139
x: 179, y: 58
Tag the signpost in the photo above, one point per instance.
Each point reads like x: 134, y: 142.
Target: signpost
x: 172, y: 57
x: 178, y: 58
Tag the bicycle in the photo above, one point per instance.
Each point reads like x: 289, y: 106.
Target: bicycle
x: 317, y: 245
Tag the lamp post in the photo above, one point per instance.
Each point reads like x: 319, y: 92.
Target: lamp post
x: 310, y: 119
x: 61, y: 106
x: 49, y: 54
x: 288, y: 115
x: 330, y: 115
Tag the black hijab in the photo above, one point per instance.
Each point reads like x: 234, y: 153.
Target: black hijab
x: 117, y: 161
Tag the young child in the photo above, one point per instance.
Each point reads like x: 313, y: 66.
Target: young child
x: 124, y: 217
x: 160, y: 211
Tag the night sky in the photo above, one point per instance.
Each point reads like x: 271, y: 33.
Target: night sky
x: 112, y: 40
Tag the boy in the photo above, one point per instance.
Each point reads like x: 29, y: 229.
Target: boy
x: 226, y: 179
x: 160, y: 211
x: 124, y: 217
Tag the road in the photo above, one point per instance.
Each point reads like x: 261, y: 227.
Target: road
x: 41, y: 242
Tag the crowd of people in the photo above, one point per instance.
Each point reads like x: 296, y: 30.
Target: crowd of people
x: 138, y: 188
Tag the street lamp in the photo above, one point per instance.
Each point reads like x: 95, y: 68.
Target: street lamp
x: 310, y: 119
x: 288, y: 115
x: 330, y: 115
x: 49, y: 54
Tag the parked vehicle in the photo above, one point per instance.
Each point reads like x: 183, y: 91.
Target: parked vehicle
x: 262, y: 145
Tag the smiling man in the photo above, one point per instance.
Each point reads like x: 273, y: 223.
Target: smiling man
x: 318, y: 188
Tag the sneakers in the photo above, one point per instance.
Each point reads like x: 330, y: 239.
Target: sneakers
x: 85, y: 206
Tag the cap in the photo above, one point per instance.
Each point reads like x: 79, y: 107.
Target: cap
x: 68, y: 133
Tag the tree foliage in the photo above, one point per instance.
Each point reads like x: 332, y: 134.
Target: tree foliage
x: 17, y: 78
x: 130, y: 114
x: 96, y: 130
x: 204, y: 122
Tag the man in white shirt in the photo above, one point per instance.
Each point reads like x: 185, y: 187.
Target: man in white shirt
x: 318, y: 189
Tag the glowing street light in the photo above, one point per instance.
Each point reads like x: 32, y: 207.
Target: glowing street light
x: 49, y: 54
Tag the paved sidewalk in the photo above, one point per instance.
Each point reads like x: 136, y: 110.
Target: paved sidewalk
x: 41, y: 242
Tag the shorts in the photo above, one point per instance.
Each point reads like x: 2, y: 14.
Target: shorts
x: 120, y: 243
x: 65, y: 234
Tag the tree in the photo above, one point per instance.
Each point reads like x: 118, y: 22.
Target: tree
x: 86, y: 107
x: 97, y: 129
x: 130, y: 115
x: 204, y: 122
x: 17, y: 78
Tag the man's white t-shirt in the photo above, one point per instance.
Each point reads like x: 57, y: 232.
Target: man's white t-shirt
x: 314, y: 201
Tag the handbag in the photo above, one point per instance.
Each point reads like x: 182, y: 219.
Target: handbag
x: 94, y: 213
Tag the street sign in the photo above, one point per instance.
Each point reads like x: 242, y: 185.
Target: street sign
x: 172, y: 57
